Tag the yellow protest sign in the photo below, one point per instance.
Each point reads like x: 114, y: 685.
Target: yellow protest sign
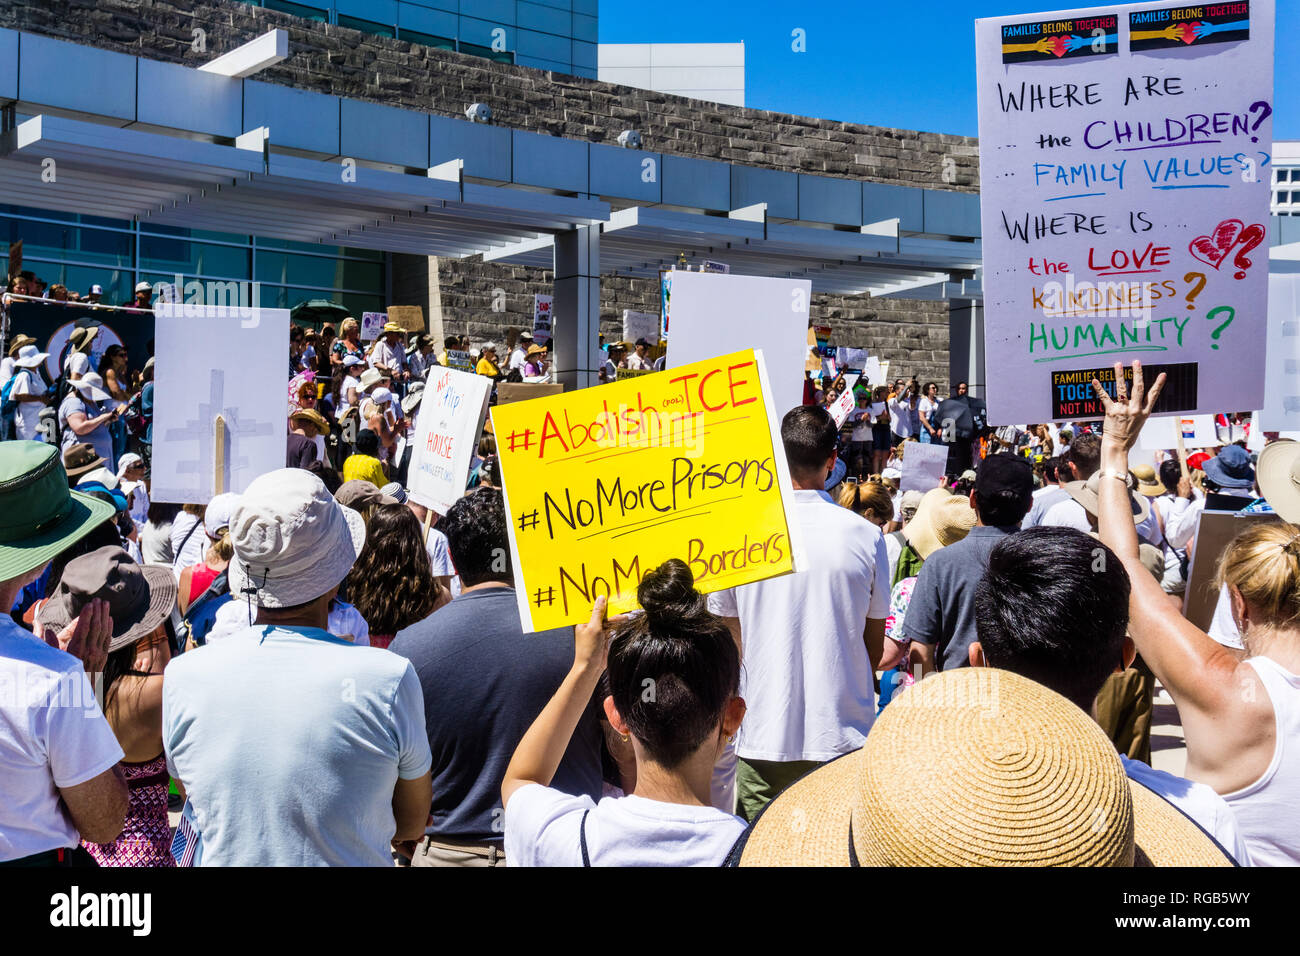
x: 604, y: 484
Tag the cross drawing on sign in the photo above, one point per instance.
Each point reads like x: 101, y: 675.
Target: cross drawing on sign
x: 200, y: 430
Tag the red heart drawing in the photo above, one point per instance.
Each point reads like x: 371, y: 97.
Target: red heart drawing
x: 1213, y: 250
x: 1188, y: 31
x: 1058, y: 46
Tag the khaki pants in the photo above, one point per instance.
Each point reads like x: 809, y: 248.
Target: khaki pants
x: 432, y: 853
x: 1124, y: 710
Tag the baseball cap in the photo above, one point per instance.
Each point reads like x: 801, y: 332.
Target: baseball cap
x: 1004, y: 473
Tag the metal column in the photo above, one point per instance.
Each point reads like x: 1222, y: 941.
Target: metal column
x: 576, y: 314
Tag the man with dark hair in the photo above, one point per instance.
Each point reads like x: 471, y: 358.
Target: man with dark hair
x: 941, y: 617
x: 1053, y: 607
x: 809, y: 641
x: 485, y: 681
x: 1051, y: 494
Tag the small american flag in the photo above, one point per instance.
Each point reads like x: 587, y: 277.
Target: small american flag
x: 185, y: 843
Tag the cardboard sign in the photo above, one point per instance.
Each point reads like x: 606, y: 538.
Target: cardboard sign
x: 1214, y: 532
x: 714, y: 313
x: 409, y: 317
x: 604, y: 484
x: 372, y: 324
x: 192, y: 461
x: 508, y: 392
x: 446, y: 436
x: 1281, y: 409
x: 640, y: 325
x: 923, y: 466
x: 1125, y: 168
x: 850, y: 359
x: 873, y: 372
x: 542, y: 305
x: 460, y: 360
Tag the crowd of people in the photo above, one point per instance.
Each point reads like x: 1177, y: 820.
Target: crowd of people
x: 982, y: 653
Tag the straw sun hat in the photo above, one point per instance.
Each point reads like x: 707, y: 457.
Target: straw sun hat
x: 1016, y: 775
x: 1279, y: 478
x: 941, y: 519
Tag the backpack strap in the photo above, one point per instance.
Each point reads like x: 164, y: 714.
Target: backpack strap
x: 582, y: 839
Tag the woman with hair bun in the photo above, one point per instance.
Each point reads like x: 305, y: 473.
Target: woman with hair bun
x: 674, y: 673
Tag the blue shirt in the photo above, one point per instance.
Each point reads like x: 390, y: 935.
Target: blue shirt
x: 290, y: 742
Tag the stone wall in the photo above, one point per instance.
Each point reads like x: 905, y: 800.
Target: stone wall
x: 912, y: 335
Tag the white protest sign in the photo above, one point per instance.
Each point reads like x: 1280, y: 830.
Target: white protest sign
x: 1125, y: 186
x: 873, y: 373
x: 1255, y: 435
x: 1162, y: 433
x: 217, y: 361
x: 711, y: 313
x: 372, y: 323
x: 640, y: 325
x: 446, y: 436
x: 843, y: 405
x: 542, y: 305
x: 1281, y: 408
x: 923, y: 466
x: 851, y: 358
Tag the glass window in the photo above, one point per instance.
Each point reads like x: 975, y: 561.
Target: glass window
x: 366, y: 26
x: 487, y: 53
x: 286, y: 297
x: 425, y: 39
x: 288, y: 269
x: 63, y: 241
x: 297, y: 9
x: 186, y: 257
x: 184, y: 232
x: 319, y: 249
x: 30, y: 213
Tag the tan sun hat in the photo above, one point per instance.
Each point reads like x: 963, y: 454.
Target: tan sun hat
x: 1085, y: 492
x: 941, y: 519
x: 314, y: 417
x: 1148, y: 483
x: 1015, y: 775
x: 1278, y: 474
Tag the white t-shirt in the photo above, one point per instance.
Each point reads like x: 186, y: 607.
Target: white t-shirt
x: 27, y: 415
x: 805, y: 674
x: 195, y: 544
x: 76, y: 364
x: 349, y: 381
x: 927, y: 408
x: 861, y: 418
x: 517, y: 359
x: 290, y: 743
x: 1209, y: 810
x: 7, y: 370
x: 345, y: 621
x: 900, y: 417
x: 544, y: 827
x: 52, y: 735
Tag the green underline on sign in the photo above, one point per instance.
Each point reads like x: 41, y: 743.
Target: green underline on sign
x: 1063, y: 358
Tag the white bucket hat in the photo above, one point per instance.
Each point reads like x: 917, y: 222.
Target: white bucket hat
x: 293, y: 542
x: 218, y: 514
x: 90, y: 386
x: 29, y: 357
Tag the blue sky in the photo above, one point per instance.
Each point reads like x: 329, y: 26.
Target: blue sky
x: 907, y: 65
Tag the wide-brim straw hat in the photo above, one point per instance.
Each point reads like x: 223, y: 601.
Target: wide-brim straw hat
x: 18, y: 342
x: 1085, y: 493
x: 313, y: 416
x: 1278, y: 473
x: 140, y: 597
x: 941, y: 519
x: 39, y: 515
x: 79, y: 459
x: 370, y: 378
x: 1015, y: 775
x: 83, y: 338
x: 1147, y: 482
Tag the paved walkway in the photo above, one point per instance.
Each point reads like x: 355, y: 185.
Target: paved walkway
x: 1168, y: 749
